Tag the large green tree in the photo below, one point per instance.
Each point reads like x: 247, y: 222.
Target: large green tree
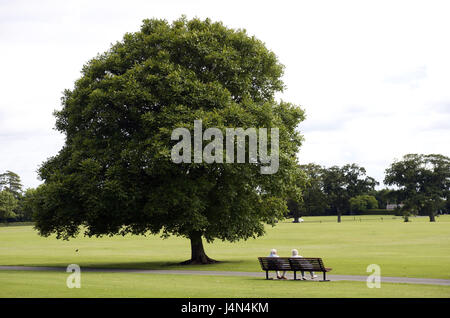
x: 422, y: 181
x: 342, y: 183
x: 115, y: 175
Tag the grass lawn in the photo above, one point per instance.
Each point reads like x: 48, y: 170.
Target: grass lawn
x: 52, y: 284
x: 416, y: 249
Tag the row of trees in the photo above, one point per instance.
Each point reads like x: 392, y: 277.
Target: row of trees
x: 335, y: 190
x: 420, y: 185
x: 15, y: 204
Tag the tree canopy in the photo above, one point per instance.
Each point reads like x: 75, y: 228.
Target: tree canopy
x: 343, y: 183
x: 329, y: 191
x: 10, y: 181
x: 314, y: 201
x: 114, y: 174
x: 422, y: 181
x: 362, y: 203
x: 8, y: 203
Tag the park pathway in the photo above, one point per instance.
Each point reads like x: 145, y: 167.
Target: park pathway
x: 406, y: 280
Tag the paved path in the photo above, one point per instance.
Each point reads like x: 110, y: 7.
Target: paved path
x: 407, y: 280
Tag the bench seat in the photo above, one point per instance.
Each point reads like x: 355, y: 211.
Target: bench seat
x: 295, y: 264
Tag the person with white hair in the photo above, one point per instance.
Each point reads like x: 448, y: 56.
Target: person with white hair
x: 273, y: 253
x: 295, y: 254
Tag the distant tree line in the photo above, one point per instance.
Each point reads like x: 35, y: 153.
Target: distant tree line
x: 420, y: 186
x: 15, y: 204
x: 335, y: 191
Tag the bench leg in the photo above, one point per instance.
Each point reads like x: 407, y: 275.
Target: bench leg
x: 324, y: 277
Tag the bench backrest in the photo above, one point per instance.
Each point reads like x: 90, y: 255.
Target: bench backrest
x: 306, y: 264
x: 274, y: 263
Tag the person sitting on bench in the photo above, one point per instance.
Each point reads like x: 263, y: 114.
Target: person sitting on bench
x: 273, y: 253
x: 295, y: 254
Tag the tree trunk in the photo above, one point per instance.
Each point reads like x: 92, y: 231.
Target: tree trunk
x: 198, y: 255
x: 338, y: 215
x: 431, y: 211
x: 296, y: 219
x: 432, y: 218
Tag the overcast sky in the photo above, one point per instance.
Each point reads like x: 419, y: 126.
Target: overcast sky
x: 373, y: 76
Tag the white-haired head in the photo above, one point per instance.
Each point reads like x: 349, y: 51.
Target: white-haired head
x: 294, y: 252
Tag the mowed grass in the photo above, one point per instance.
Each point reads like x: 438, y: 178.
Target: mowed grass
x: 415, y: 249
x: 123, y: 285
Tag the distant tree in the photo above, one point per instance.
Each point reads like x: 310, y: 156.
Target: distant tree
x: 8, y: 203
x: 384, y: 197
x: 362, y: 203
x: 294, y: 210
x: 314, y: 199
x: 25, y: 205
x: 423, y: 182
x: 342, y: 183
x: 10, y: 181
x: 114, y: 175
x: 296, y: 198
x: 407, y: 209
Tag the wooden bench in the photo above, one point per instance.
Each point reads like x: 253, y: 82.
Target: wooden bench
x: 309, y: 264
x: 274, y: 264
x: 295, y: 264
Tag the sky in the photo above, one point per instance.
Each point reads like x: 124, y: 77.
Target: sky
x: 372, y: 76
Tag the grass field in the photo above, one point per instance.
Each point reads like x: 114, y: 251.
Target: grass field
x: 51, y: 284
x: 416, y: 249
